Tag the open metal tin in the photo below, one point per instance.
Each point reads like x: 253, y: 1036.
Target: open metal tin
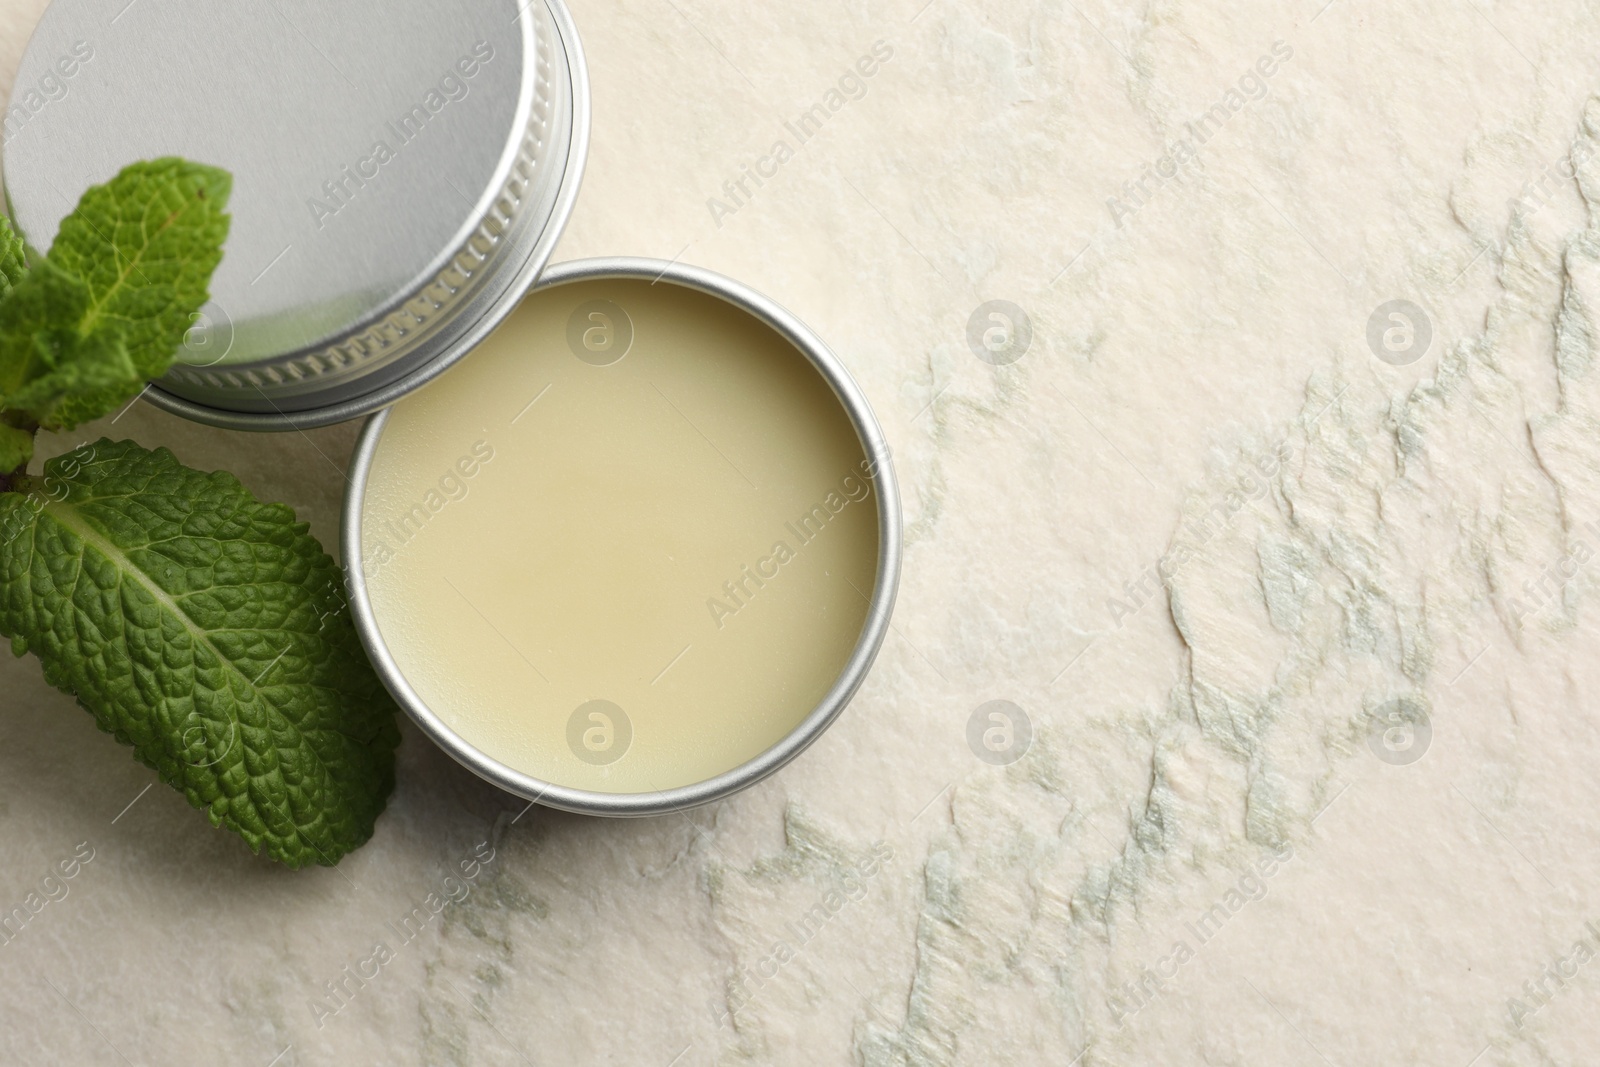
x: 881, y: 601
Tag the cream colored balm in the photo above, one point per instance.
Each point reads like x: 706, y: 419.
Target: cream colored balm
x: 627, y: 544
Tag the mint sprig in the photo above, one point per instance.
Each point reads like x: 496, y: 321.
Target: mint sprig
x: 200, y: 626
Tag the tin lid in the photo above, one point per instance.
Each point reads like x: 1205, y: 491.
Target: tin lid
x: 402, y: 170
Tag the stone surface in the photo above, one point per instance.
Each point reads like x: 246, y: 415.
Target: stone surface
x: 1226, y: 559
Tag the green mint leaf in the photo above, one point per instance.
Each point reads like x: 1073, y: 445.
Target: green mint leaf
x: 16, y: 448
x: 147, y: 243
x: 13, y: 257
x: 209, y: 631
x: 55, y: 363
x: 108, y: 307
x: 76, y: 367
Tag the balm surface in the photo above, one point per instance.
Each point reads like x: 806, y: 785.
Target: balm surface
x: 627, y: 544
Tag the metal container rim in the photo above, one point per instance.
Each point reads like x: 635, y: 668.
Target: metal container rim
x: 873, y: 631
x: 517, y: 282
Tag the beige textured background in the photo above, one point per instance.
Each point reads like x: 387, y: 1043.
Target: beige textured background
x: 1179, y: 739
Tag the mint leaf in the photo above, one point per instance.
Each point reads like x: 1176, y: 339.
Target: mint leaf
x: 147, y: 243
x: 53, y: 361
x: 13, y: 257
x: 207, y: 630
x: 107, y: 308
x: 16, y: 447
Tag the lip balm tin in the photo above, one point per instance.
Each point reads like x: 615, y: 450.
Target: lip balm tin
x: 876, y: 451
x: 402, y: 174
